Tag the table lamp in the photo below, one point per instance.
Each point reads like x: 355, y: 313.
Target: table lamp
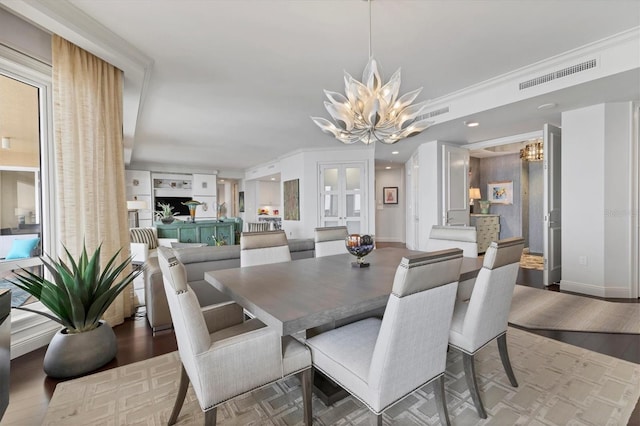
x: 134, y: 206
x: 474, y: 194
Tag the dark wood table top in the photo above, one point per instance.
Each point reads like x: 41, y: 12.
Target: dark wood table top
x: 298, y: 295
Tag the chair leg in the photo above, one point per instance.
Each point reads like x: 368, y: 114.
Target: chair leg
x: 306, y: 379
x: 470, y: 376
x: 441, y: 401
x: 182, y: 393
x: 504, y: 356
x: 210, y: 417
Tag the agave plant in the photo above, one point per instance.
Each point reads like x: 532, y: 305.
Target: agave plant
x: 79, y: 292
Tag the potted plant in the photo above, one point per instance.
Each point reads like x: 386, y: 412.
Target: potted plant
x: 77, y: 297
x: 165, y: 214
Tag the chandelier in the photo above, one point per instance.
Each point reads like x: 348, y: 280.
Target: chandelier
x: 372, y: 111
x: 532, y: 152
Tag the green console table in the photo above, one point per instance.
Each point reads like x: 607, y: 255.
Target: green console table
x: 199, y: 232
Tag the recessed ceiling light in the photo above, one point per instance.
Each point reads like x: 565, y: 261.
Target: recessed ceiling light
x: 273, y: 178
x: 388, y: 167
x: 221, y: 180
x: 548, y: 106
x: 471, y: 123
x: 395, y: 152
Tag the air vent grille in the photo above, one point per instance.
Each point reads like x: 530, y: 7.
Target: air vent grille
x: 586, y: 65
x: 434, y: 113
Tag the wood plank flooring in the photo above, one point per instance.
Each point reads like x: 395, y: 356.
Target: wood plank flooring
x: 31, y: 389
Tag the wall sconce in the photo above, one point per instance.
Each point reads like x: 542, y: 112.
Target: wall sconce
x: 532, y: 152
x: 6, y: 143
x: 474, y: 194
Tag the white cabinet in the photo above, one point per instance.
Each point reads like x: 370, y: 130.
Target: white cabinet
x: 204, y: 185
x: 269, y: 193
x: 343, y: 195
x: 138, y: 185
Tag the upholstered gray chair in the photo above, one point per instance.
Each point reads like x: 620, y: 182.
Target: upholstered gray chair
x: 462, y: 237
x: 221, y: 355
x: 382, y: 361
x: 330, y: 240
x: 259, y: 248
x: 484, y: 317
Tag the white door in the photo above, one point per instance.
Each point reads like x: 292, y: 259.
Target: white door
x: 455, y: 201
x: 343, y: 196
x: 552, y: 205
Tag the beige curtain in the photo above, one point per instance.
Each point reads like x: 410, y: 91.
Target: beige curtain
x: 87, y: 96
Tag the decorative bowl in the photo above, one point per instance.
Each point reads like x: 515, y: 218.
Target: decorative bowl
x: 359, y: 246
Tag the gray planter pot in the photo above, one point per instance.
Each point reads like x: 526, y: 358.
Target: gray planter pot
x: 71, y: 355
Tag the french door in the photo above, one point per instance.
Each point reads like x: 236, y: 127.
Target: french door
x: 343, y: 198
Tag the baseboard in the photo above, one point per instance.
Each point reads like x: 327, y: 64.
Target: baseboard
x: 594, y: 290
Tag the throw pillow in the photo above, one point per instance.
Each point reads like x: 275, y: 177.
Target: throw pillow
x: 144, y: 235
x: 22, y: 249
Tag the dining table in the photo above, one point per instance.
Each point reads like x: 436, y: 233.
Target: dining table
x: 297, y: 296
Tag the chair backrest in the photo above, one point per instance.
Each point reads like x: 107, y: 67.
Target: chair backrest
x: 189, y: 324
x: 412, y: 344
x: 446, y: 237
x: 488, y: 310
x: 258, y: 226
x: 330, y: 240
x: 148, y: 236
x: 259, y: 248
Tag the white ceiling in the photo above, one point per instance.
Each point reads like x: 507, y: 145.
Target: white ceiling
x: 234, y: 82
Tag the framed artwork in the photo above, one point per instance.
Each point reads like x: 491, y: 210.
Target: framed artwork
x: 241, y: 201
x: 390, y: 195
x: 291, y: 190
x: 500, y: 192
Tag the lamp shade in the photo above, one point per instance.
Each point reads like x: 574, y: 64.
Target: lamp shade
x: 474, y: 193
x: 137, y: 205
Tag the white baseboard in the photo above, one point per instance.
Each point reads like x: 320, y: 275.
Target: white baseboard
x: 594, y: 290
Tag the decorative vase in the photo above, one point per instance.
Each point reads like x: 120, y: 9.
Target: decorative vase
x: 192, y: 204
x: 484, y: 206
x: 167, y: 220
x: 359, y: 246
x: 71, y: 355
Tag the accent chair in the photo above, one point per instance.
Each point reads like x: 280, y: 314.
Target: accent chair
x: 462, y: 237
x: 484, y: 317
x: 381, y: 361
x: 259, y: 248
x: 223, y: 356
x: 330, y: 240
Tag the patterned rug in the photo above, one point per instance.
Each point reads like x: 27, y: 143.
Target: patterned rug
x: 532, y: 261
x: 559, y: 384
x: 552, y: 310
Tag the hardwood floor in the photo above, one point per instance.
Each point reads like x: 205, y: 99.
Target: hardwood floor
x: 31, y: 389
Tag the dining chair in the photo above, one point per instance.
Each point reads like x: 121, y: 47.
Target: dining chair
x: 330, y: 240
x: 258, y: 226
x: 381, y: 361
x: 484, y: 317
x: 462, y: 237
x: 259, y: 248
x: 223, y: 356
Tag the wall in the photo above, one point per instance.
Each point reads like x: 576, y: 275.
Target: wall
x: 390, y: 218
x: 504, y: 168
x: 597, y: 200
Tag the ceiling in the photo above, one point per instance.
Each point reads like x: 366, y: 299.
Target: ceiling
x: 234, y: 82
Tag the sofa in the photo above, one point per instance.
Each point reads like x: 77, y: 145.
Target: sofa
x: 197, y: 261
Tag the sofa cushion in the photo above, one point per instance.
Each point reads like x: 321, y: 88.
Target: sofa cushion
x: 205, y: 254
x: 303, y: 244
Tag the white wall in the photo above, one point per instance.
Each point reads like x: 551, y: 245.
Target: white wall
x: 597, y: 200
x: 305, y: 166
x: 390, y: 218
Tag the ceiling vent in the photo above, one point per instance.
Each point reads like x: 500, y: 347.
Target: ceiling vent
x: 583, y: 66
x: 434, y: 113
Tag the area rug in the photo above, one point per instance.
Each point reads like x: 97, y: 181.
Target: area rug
x: 552, y: 310
x: 559, y: 384
x: 531, y: 261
